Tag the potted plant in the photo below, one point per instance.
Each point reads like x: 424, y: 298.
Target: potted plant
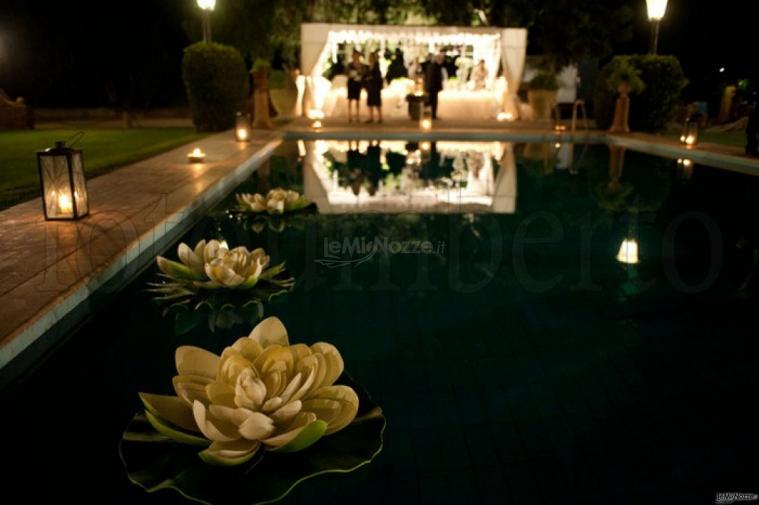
x: 542, y: 94
x: 284, y: 91
x: 260, y: 99
x: 625, y: 79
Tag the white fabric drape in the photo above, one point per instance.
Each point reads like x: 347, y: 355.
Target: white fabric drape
x: 513, y: 53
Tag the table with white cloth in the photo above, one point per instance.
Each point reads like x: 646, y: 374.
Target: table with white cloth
x: 452, y: 103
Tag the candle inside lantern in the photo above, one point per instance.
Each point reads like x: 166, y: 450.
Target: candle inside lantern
x: 196, y: 156
x: 65, y: 205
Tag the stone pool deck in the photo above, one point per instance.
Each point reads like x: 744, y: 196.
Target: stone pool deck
x: 49, y: 270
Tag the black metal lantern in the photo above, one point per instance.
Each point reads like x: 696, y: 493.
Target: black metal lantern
x: 689, y: 136
x: 64, y: 188
x: 242, y: 127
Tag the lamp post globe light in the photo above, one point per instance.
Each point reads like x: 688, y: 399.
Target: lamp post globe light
x: 656, y: 11
x: 206, y: 6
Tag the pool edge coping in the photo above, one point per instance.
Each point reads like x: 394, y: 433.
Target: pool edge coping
x: 44, y: 321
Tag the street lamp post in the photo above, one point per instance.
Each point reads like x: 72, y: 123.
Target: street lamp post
x: 206, y: 6
x: 656, y: 11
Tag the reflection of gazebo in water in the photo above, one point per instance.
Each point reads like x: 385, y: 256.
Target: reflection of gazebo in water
x: 398, y: 177
x: 499, y: 47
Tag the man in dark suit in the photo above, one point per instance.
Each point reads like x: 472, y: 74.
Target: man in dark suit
x: 434, y: 81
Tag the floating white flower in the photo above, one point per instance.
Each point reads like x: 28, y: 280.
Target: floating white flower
x: 213, y: 265
x: 276, y: 201
x: 261, y: 393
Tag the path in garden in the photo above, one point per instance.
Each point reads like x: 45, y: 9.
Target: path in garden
x: 49, y: 269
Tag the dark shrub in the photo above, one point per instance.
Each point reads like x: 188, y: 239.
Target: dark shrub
x: 545, y: 81
x: 656, y: 106
x: 216, y: 81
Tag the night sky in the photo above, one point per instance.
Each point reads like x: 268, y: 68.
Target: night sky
x: 84, y: 54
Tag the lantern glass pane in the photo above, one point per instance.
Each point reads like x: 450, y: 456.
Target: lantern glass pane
x: 56, y: 186
x: 80, y: 187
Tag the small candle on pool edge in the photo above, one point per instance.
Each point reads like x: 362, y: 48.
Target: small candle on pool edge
x: 242, y: 135
x: 316, y: 125
x: 196, y: 156
x: 426, y: 124
x: 505, y: 116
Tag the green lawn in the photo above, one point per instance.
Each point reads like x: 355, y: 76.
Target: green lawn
x: 104, y: 150
x: 735, y: 139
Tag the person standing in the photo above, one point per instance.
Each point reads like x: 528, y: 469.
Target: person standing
x: 374, y: 82
x: 356, y: 71
x: 434, y: 81
x: 479, y: 75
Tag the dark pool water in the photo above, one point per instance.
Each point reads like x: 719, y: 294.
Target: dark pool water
x: 522, y: 362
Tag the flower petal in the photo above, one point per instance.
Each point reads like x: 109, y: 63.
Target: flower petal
x: 216, y: 430
x: 171, y: 408
x: 287, y: 412
x: 172, y: 432
x: 257, y: 426
x: 270, y: 331
x: 191, y: 388
x: 196, y: 361
x: 230, y: 453
x: 301, y: 420
x: 334, y: 362
x: 221, y: 393
x: 340, y: 409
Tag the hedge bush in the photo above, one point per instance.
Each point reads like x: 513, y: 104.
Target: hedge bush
x: 655, y: 107
x: 216, y: 81
x: 546, y: 81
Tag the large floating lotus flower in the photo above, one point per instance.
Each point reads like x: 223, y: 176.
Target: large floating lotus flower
x: 213, y: 265
x: 276, y: 201
x: 261, y: 393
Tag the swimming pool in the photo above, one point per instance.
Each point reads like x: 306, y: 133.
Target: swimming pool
x: 581, y: 328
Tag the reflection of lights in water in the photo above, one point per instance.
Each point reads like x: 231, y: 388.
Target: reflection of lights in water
x: 196, y: 156
x: 505, y: 116
x: 628, y: 252
x: 302, y: 149
x: 425, y: 146
x: 686, y: 168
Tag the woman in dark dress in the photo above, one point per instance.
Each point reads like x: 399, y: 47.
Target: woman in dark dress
x: 373, y: 82
x: 356, y: 71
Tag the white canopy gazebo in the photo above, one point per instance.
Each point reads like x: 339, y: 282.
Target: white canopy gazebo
x: 319, y: 42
